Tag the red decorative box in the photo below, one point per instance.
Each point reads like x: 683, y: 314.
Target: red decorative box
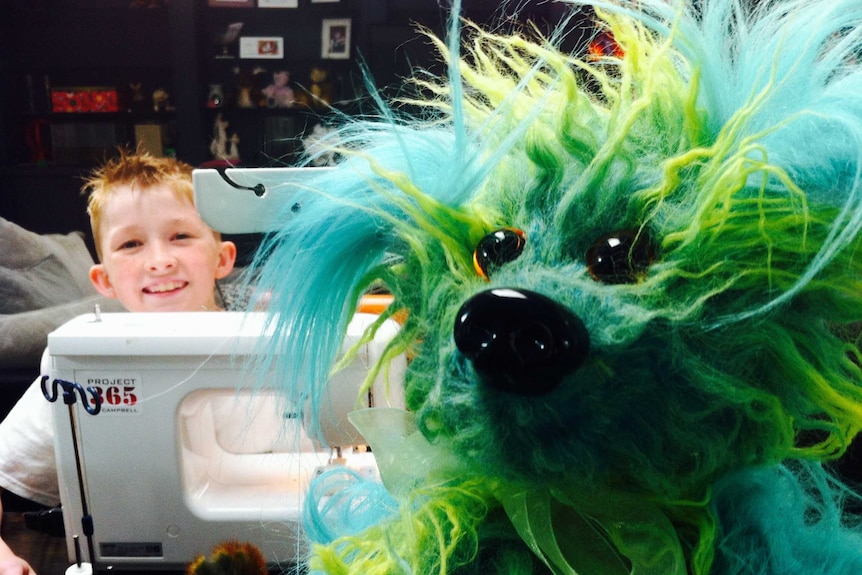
x: 84, y: 100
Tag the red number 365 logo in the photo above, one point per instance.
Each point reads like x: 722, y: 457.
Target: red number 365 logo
x: 116, y: 395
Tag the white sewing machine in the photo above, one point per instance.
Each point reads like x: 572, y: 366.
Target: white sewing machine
x: 185, y: 454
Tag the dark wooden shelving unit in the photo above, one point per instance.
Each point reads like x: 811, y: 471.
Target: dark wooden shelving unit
x: 171, y: 45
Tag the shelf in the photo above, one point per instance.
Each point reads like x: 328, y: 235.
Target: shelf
x: 100, y: 116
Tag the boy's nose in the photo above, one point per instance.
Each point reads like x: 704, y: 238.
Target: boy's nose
x: 161, y: 259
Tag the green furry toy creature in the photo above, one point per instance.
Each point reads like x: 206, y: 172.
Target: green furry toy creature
x: 630, y: 289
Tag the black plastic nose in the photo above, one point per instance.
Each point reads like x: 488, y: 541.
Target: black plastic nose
x: 520, y: 341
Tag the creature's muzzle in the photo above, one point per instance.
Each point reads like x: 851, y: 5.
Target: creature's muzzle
x: 520, y: 341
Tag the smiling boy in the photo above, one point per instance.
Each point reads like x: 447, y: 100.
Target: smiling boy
x: 155, y: 254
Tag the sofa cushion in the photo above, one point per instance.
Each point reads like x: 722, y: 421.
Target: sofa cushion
x: 41, y: 271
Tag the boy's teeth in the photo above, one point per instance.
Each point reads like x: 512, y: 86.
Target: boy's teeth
x: 166, y: 287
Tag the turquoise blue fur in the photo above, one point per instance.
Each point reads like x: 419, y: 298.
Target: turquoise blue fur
x: 698, y: 435
x: 782, y: 520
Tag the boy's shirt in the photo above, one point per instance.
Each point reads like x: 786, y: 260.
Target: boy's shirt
x: 28, y: 467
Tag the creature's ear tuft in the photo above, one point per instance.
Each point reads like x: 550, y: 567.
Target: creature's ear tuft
x: 310, y: 274
x: 398, y: 189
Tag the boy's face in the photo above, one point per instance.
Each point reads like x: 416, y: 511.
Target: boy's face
x: 158, y: 254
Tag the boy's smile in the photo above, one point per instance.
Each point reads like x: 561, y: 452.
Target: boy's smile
x: 164, y: 288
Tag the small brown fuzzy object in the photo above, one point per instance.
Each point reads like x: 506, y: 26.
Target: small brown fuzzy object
x: 230, y: 558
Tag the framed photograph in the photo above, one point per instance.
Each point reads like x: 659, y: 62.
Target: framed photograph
x: 277, y: 3
x: 335, y: 39
x: 261, y: 47
x: 231, y: 3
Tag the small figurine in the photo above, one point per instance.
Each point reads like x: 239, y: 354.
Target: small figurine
x: 227, y: 41
x: 234, y: 146
x: 260, y: 80
x: 218, y: 146
x: 161, y: 101
x: 215, y: 99
x: 137, y: 102
x: 279, y: 94
x: 319, y: 92
x: 244, y: 90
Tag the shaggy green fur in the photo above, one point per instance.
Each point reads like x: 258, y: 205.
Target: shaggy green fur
x: 735, y: 235
x: 437, y: 536
x: 731, y: 351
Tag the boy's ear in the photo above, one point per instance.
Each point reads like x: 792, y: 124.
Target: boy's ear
x: 100, y: 280
x: 226, y: 259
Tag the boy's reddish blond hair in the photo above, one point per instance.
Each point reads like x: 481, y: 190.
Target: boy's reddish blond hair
x: 139, y: 170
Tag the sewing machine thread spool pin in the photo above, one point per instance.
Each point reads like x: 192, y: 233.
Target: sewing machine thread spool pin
x: 77, y: 542
x: 338, y: 458
x: 80, y: 567
x: 97, y: 313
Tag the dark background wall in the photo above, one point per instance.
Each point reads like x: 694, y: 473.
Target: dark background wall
x: 172, y: 45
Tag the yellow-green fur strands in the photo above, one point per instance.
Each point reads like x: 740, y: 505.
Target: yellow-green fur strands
x: 707, y: 377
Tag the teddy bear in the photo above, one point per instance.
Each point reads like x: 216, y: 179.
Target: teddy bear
x: 318, y: 94
x: 279, y: 94
x: 630, y: 290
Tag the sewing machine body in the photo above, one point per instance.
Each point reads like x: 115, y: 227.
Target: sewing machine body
x: 187, y: 451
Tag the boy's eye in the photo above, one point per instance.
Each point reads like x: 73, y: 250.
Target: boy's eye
x: 127, y: 245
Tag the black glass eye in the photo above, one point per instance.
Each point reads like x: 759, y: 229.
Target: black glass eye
x: 621, y: 257
x: 496, y: 249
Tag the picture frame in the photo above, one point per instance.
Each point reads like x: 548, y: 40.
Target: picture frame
x: 230, y: 3
x: 335, y: 39
x: 261, y: 47
x: 278, y: 3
